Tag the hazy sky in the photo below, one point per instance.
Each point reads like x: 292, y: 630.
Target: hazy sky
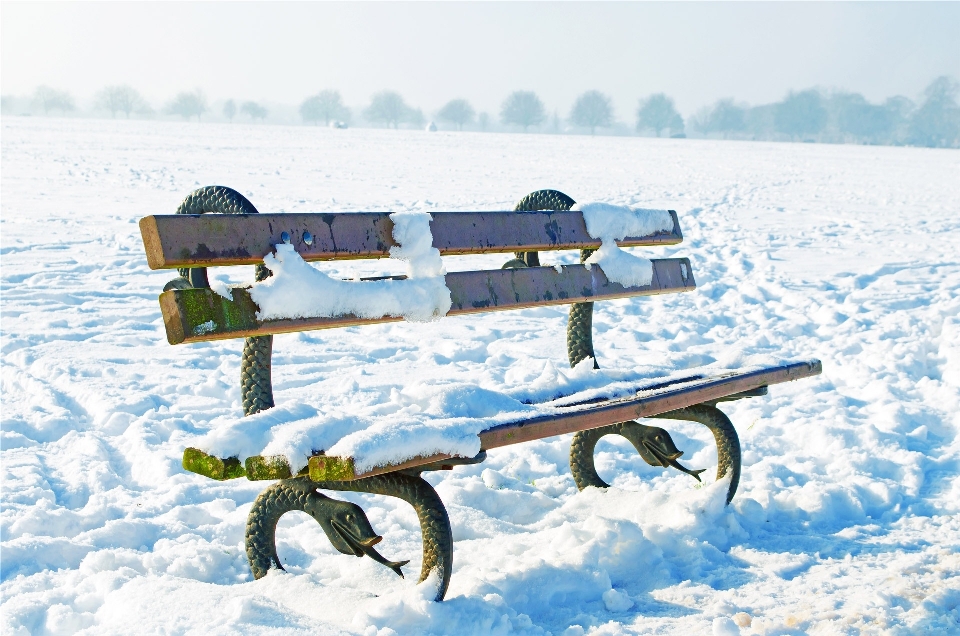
x: 432, y: 52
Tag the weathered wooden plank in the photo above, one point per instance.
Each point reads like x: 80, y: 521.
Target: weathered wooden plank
x: 200, y: 240
x: 646, y: 403
x: 650, y: 400
x: 197, y: 315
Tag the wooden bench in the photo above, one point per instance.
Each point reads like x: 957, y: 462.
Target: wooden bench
x: 191, y: 241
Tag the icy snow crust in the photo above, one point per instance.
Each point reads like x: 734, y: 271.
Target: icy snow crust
x: 846, y: 520
x: 297, y: 290
x: 611, y: 223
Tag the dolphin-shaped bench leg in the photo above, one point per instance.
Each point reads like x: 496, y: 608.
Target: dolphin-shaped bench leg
x: 347, y: 526
x: 657, y: 448
x: 344, y: 523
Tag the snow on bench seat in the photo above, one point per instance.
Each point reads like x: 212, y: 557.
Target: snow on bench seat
x: 282, y: 442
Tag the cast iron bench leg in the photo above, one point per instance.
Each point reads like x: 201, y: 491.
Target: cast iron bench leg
x: 728, y: 443
x: 255, y: 386
x: 346, y: 525
x: 657, y: 452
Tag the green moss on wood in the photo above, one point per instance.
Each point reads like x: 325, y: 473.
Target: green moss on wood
x: 323, y: 468
x: 205, y: 311
x: 232, y: 468
x: 261, y: 468
x: 196, y: 461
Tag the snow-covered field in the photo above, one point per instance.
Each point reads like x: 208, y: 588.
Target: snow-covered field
x: 846, y: 520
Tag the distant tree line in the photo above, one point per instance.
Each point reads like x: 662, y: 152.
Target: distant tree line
x: 808, y: 115
x: 327, y: 106
x: 51, y: 99
x: 389, y: 108
x: 121, y: 99
x: 191, y: 104
x: 841, y: 117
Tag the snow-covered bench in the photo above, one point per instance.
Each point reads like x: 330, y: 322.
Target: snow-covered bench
x: 290, y: 296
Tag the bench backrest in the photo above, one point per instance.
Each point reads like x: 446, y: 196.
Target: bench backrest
x: 193, y: 315
x: 202, y: 240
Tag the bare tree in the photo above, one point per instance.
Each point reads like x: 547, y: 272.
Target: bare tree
x: 801, y: 114
x: 188, y: 104
x: 700, y: 120
x: 325, y: 105
x: 457, y: 111
x: 255, y: 110
x: 389, y: 108
x: 51, y: 99
x: 592, y: 109
x: 121, y: 98
x: 856, y: 118
x: 484, y: 121
x: 723, y: 117
x: 937, y: 122
x: 522, y: 108
x: 230, y: 109
x: 658, y: 113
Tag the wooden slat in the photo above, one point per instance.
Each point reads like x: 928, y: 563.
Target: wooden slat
x: 646, y: 404
x: 331, y: 468
x: 185, y: 240
x: 197, y: 315
x: 653, y: 399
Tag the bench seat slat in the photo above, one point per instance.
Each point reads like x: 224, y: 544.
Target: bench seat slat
x: 645, y: 404
x: 193, y: 240
x: 197, y: 315
x: 584, y: 417
x: 648, y: 402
